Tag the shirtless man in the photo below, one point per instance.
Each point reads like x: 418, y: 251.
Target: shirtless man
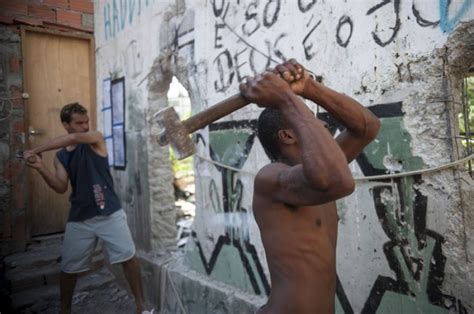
x: 294, y: 196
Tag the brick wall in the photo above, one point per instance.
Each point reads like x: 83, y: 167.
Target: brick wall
x: 13, y: 231
x: 59, y: 14
x: 64, y: 15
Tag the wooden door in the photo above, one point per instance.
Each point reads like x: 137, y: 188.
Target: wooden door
x: 58, y: 70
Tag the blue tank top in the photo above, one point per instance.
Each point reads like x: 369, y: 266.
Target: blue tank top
x: 92, y: 185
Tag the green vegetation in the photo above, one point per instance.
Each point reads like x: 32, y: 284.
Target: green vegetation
x: 466, y: 117
x: 181, y: 168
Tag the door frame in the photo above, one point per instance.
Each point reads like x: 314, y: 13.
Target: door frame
x: 93, y: 106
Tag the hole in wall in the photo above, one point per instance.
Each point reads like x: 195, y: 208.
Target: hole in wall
x: 183, y: 170
x: 465, y: 118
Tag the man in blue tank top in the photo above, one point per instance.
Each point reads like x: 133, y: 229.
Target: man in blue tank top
x: 95, y: 211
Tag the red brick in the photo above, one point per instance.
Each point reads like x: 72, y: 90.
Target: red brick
x: 70, y: 18
x: 85, y: 6
x: 7, y: 225
x: 57, y: 3
x: 6, y: 19
x: 15, y: 93
x: 20, y: 227
x: 12, y: 171
x: 7, y: 174
x: 19, y: 126
x: 15, y: 7
x: 17, y: 143
x: 28, y: 20
x: 19, y: 194
x: 14, y: 64
x: 41, y: 12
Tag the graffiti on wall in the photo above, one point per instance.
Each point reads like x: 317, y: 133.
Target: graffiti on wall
x: 414, y: 253
x: 448, y: 23
x: 230, y: 144
x: 182, y: 36
x: 119, y: 14
x: 233, y: 62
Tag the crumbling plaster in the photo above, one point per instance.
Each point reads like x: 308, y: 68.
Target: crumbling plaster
x: 420, y: 68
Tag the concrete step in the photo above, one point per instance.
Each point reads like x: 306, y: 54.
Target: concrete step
x: 40, y: 265
x: 42, y: 295
x: 39, y: 253
x: 45, y: 275
x: 33, y: 257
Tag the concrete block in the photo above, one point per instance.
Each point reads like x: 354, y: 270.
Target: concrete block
x: 88, y: 21
x: 178, y: 289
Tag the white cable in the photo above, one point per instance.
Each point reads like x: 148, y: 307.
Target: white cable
x: 223, y: 165
x: 165, y: 275
x: 410, y: 173
x: 377, y: 177
x: 180, y: 303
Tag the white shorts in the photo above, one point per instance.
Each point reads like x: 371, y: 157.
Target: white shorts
x: 80, y: 240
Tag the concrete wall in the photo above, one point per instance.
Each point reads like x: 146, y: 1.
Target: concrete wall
x: 404, y: 243
x: 63, y: 15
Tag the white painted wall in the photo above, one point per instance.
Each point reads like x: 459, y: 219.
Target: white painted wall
x: 149, y: 41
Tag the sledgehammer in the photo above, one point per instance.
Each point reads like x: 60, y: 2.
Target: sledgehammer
x: 177, y: 133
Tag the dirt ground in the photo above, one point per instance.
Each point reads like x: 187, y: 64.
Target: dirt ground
x: 98, y: 292
x: 110, y: 299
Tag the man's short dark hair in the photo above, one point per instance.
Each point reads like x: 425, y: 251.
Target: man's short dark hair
x: 69, y: 109
x: 270, y: 122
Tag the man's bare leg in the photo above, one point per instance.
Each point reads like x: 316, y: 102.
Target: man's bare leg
x: 131, y: 269
x: 67, y: 283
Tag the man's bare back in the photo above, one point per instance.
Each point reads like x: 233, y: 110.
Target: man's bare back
x: 300, y: 246
x: 294, y: 197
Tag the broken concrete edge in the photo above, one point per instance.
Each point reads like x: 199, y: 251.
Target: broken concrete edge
x: 172, y: 287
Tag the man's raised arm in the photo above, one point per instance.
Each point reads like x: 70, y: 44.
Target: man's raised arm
x: 318, y: 172
x: 95, y: 138
x: 361, y: 125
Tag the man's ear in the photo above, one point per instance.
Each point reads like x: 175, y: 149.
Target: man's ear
x: 287, y: 136
x: 66, y: 125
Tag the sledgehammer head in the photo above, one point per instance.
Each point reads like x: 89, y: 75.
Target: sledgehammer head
x: 175, y: 133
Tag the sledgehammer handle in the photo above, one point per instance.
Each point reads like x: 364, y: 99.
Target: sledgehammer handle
x: 215, y: 112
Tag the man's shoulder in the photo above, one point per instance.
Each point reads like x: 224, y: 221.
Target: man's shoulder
x: 99, y: 147
x: 62, y: 155
x: 267, y: 177
x: 61, y: 151
x: 271, y: 169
